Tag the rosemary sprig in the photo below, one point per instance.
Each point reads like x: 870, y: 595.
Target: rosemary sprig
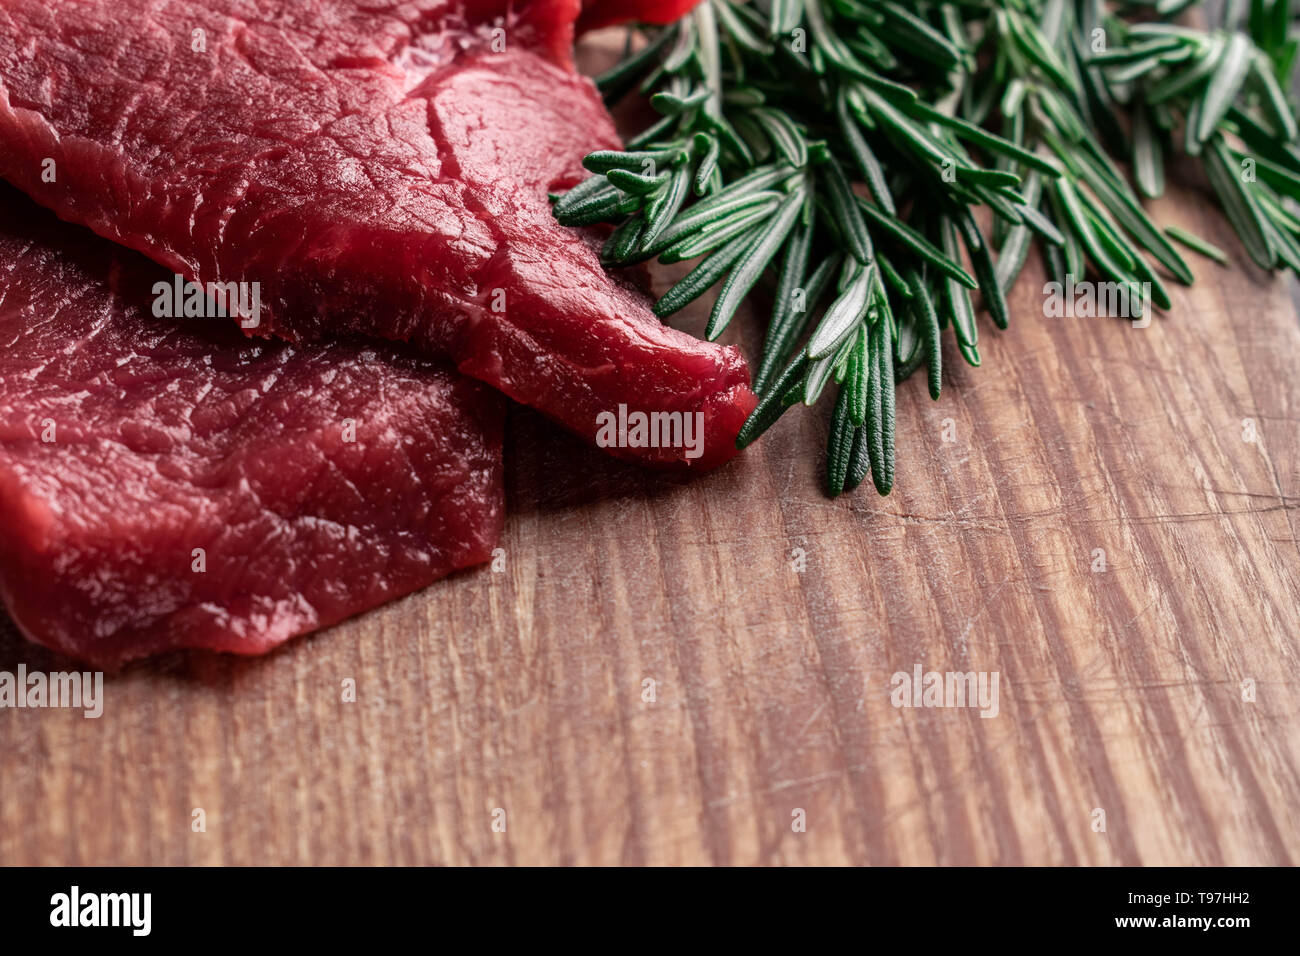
x: 1227, y: 91
x: 845, y: 146
x: 767, y: 118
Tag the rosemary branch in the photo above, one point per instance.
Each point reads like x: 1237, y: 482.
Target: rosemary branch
x: 845, y: 146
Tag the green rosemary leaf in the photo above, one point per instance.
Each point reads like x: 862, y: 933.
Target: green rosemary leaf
x: 880, y: 311
x: 703, y: 277
x: 762, y: 180
x: 910, y: 134
x: 667, y: 203
x: 1120, y: 250
x: 1259, y: 22
x: 820, y: 372
x: 1013, y: 97
x: 893, y: 278
x: 783, y: 335
x: 928, y: 319
x: 990, y: 287
x: 1279, y: 177
x: 757, y: 142
x: 890, y: 90
x: 909, y: 346
x: 1005, y: 203
x: 1239, y: 203
x: 1083, y: 226
x: 772, y: 405
x: 1272, y: 205
x: 602, y: 161
x: 880, y: 409
x: 786, y: 15
x: 911, y: 239
x: 620, y: 80
x: 685, y: 47
x: 1138, y: 51
x: 981, y: 137
x: 713, y: 213
x: 670, y: 104
x: 956, y: 294
x: 738, y: 30
x: 1197, y: 244
x: 585, y: 191
x: 993, y: 178
x: 1122, y: 76
x: 622, y: 242
x: 626, y: 204
x: 785, y: 136
x: 635, y: 183
x: 859, y: 461
x: 844, y: 313
x: 752, y: 264
x: 598, y: 207
x: 1030, y: 40
x: 1075, y: 257
x: 1062, y: 114
x: 1054, y: 259
x: 844, y: 208
x: 1040, y: 224
x: 874, y: 48
x: 826, y: 42
x: 918, y: 37
x: 754, y: 19
x: 791, y: 281
x: 1145, y: 274
x: 1262, y: 140
x: 874, y: 423
x: 732, y: 142
x: 1280, y: 22
x: 1125, y: 207
x: 718, y: 233
x: 1278, y: 107
x: 839, y: 451
x: 1288, y: 252
x: 709, y: 149
x: 860, y: 379
x: 1012, y: 257
x: 1191, y: 126
x: 885, y: 477
x: 651, y: 134
x: 866, y: 160
x: 1224, y: 85
x: 1148, y: 156
x: 1187, y: 79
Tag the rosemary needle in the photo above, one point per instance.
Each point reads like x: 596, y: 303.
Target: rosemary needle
x: 1196, y: 243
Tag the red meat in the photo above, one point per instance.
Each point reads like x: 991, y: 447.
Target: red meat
x: 134, y: 452
x: 604, y: 13
x: 378, y: 167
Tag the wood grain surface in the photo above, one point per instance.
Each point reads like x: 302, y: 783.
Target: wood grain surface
x: 524, y: 691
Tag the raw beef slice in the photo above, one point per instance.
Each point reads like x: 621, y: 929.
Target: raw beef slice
x: 604, y: 13
x: 165, y: 487
x: 377, y: 167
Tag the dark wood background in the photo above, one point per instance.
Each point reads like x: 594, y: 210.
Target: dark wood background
x: 1121, y: 689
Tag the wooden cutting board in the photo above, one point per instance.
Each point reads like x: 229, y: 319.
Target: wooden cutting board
x: 1083, y: 516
